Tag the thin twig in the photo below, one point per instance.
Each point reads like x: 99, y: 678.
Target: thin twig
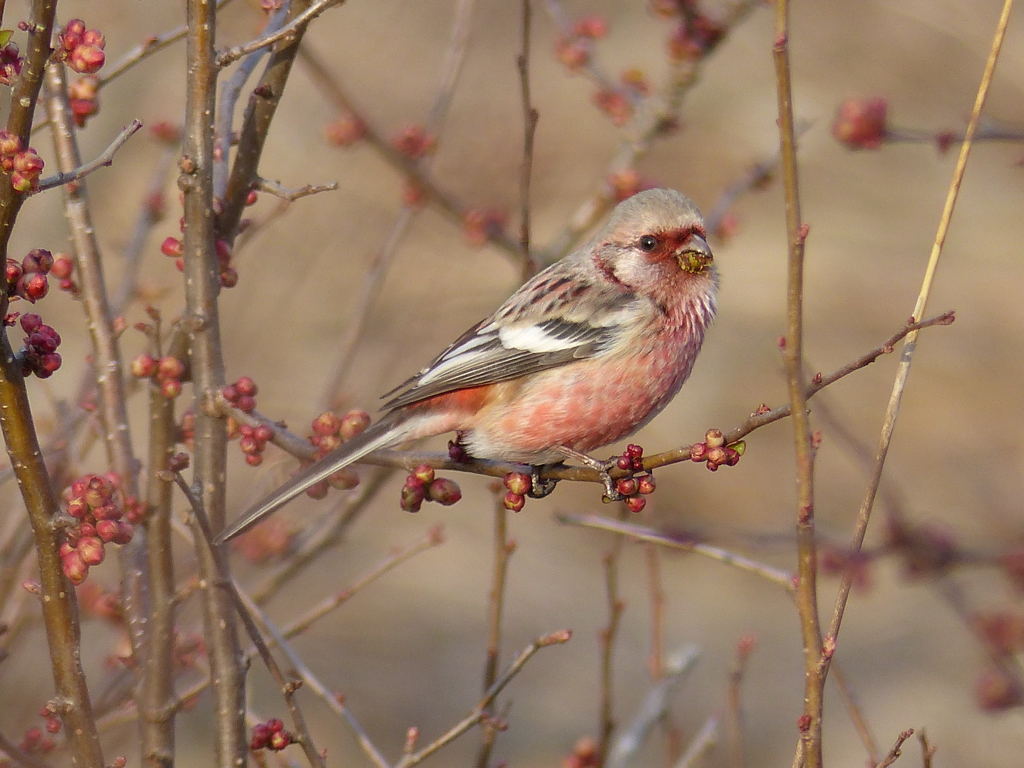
x: 151, y: 211
x: 653, y: 118
x: 433, y: 538
x: 324, y: 538
x: 927, y: 751
x: 291, y: 195
x: 702, y: 743
x: 530, y: 118
x: 106, y: 349
x: 102, y: 161
x: 379, y: 265
x: 480, y: 711
x: 258, y: 117
x: 734, y: 702
x: 807, y: 557
x: 413, y: 169
x: 856, y: 716
x: 895, y: 752
x: 640, y: 533
x: 653, y: 708
x: 249, y: 612
x: 606, y: 725
x: 286, y: 33
x: 910, y: 344
x: 503, y: 549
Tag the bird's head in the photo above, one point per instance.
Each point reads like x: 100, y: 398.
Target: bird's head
x: 656, y: 237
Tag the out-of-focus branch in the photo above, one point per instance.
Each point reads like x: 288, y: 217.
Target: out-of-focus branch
x: 202, y: 322
x: 378, y: 268
x: 606, y: 724
x: 503, y: 549
x: 652, y: 119
x: 681, y: 542
x: 530, y: 118
x: 910, y: 345
x: 417, y: 175
x: 479, y: 712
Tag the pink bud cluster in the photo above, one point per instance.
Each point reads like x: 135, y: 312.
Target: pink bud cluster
x: 480, y: 225
x: 345, y: 131
x: 35, y: 743
x: 413, y: 141
x: 242, y: 394
x: 168, y: 372
x: 421, y: 485
x: 573, y: 49
x: 270, y: 735
x: 84, y: 98
x: 10, y: 63
x: 24, y: 165
x: 174, y: 248
x: 518, y: 484
x: 861, y: 123
x: 329, y: 432
x: 584, y: 754
x: 694, y: 37
x: 39, y: 356
x: 715, y: 453
x: 95, y: 503
x: 638, y: 483
x: 27, y: 280
x: 63, y: 269
x: 82, y: 48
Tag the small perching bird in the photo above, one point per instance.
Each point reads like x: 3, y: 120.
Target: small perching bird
x: 582, y: 355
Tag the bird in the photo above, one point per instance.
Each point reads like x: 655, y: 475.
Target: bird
x: 582, y: 355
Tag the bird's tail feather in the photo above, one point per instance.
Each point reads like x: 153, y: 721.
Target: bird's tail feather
x: 385, y: 433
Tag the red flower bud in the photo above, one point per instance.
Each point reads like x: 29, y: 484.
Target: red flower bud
x: 354, y: 423
x: 91, y: 549
x: 444, y: 491
x: 86, y: 59
x: 514, y: 501
x: 143, y: 366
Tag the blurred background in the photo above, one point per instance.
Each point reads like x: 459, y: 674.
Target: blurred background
x: 409, y: 651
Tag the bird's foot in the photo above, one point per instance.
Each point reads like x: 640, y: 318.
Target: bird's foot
x: 540, y: 487
x: 611, y: 493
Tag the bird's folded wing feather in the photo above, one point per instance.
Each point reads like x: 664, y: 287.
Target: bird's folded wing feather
x: 534, y: 330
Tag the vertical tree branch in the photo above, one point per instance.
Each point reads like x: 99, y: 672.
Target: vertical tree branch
x: 59, y: 607
x: 806, y: 595
x: 106, y: 352
x: 615, y: 608
x: 202, y: 320
x: 256, y: 125
x: 530, y: 118
x: 503, y: 549
x: 910, y: 344
x: 24, y: 92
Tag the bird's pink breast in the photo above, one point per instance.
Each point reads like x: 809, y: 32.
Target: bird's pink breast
x: 583, y: 405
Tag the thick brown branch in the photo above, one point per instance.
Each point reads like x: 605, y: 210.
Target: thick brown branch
x: 202, y: 321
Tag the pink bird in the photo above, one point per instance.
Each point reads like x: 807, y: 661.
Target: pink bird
x: 582, y: 355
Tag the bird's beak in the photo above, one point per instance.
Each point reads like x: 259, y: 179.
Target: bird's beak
x: 695, y: 256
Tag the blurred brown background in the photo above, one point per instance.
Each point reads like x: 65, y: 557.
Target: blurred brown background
x: 410, y: 650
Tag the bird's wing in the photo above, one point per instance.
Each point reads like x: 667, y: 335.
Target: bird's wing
x: 550, y: 321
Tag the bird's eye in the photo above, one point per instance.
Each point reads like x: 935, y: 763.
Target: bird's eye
x: 648, y: 243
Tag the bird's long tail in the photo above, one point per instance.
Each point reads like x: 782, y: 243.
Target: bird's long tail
x: 385, y: 433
